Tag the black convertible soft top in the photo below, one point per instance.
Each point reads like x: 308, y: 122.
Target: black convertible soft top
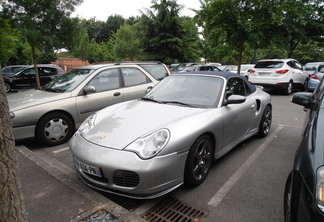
x: 226, y: 75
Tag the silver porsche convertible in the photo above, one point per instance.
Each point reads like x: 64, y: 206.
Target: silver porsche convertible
x: 148, y: 147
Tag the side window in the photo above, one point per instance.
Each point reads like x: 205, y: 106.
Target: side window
x: 46, y: 71
x: 298, y: 65
x: 291, y: 64
x: 236, y: 86
x: 106, y: 80
x: 133, y: 77
x: 30, y: 71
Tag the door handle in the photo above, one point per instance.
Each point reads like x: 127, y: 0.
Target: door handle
x: 117, y: 94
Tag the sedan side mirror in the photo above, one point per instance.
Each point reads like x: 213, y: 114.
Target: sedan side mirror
x: 303, y: 99
x: 90, y: 89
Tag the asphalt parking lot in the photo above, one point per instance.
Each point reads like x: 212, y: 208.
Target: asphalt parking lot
x: 245, y: 185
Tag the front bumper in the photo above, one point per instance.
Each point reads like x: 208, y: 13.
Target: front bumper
x: 124, y: 173
x: 24, y: 132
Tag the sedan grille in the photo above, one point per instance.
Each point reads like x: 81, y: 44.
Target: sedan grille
x: 125, y: 178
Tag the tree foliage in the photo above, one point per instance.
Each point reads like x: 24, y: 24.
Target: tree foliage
x: 42, y: 23
x: 164, y: 35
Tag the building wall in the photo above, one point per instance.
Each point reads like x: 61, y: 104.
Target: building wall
x: 68, y: 63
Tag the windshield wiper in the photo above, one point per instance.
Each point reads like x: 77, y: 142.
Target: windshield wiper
x: 151, y: 100
x: 51, y: 90
x: 180, y: 103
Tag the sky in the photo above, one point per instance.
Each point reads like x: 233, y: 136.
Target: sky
x: 101, y: 9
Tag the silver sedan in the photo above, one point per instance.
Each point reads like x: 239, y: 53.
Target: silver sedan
x: 148, y: 147
x: 52, y: 113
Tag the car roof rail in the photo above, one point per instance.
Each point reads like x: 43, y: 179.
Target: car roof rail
x: 139, y: 62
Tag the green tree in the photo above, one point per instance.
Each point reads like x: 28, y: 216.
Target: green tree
x: 230, y: 25
x: 163, y: 32
x: 9, y: 41
x: 127, y: 43
x: 41, y: 23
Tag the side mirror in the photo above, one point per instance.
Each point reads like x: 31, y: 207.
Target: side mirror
x: 235, y: 99
x: 90, y: 89
x: 148, y: 89
x: 303, y: 99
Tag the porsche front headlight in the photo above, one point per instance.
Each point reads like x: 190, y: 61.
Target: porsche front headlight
x: 88, y: 124
x: 320, y: 188
x: 148, y: 146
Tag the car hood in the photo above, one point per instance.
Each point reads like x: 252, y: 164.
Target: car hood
x: 29, y: 98
x: 118, y: 127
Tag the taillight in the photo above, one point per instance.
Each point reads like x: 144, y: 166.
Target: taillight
x: 282, y: 71
x: 314, y: 76
x: 251, y: 71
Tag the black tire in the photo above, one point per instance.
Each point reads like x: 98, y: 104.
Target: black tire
x: 54, y: 129
x: 265, y: 123
x: 288, y: 90
x: 305, y: 86
x: 198, y: 161
x: 287, y: 200
x: 7, y: 87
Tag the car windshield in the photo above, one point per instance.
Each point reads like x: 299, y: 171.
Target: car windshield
x: 269, y: 64
x: 188, y: 90
x: 68, y: 81
x: 310, y: 67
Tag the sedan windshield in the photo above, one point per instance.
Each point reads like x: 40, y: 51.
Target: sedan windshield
x: 68, y: 81
x: 186, y: 90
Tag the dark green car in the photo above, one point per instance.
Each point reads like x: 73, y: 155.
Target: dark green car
x: 304, y: 191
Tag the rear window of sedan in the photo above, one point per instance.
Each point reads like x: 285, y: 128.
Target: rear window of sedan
x: 269, y: 64
x: 157, y: 71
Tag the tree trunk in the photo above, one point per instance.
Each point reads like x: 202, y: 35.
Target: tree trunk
x: 11, y: 204
x: 35, y: 66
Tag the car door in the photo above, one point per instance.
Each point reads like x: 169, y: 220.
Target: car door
x: 108, y: 91
x: 135, y: 82
x: 46, y: 74
x: 26, y: 78
x: 238, y: 118
x: 297, y: 72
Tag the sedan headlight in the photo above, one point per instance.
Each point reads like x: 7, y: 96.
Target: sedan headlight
x: 149, y: 146
x: 88, y: 124
x: 320, y: 188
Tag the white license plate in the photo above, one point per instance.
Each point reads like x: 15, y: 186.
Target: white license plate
x: 87, y: 168
x: 264, y: 74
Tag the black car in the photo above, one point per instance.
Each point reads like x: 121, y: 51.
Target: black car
x: 26, y: 78
x: 10, y: 70
x: 304, y: 190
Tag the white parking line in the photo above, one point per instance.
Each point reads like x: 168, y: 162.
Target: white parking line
x: 61, y: 150
x: 221, y: 193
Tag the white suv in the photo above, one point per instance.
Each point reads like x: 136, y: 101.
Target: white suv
x: 283, y: 74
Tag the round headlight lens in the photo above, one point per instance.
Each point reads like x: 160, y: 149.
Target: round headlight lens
x: 149, y: 146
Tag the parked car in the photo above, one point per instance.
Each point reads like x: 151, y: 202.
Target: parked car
x: 316, y: 77
x: 283, y: 74
x: 228, y: 68
x: 26, y: 78
x: 245, y: 70
x: 310, y: 67
x: 148, y: 147
x: 10, y: 70
x: 181, y: 66
x: 52, y: 113
x: 201, y: 68
x: 304, y: 190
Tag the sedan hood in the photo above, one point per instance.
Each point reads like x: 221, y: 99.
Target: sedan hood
x: 33, y: 97
x: 118, y: 127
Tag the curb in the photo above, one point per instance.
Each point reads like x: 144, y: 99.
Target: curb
x: 101, y: 202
